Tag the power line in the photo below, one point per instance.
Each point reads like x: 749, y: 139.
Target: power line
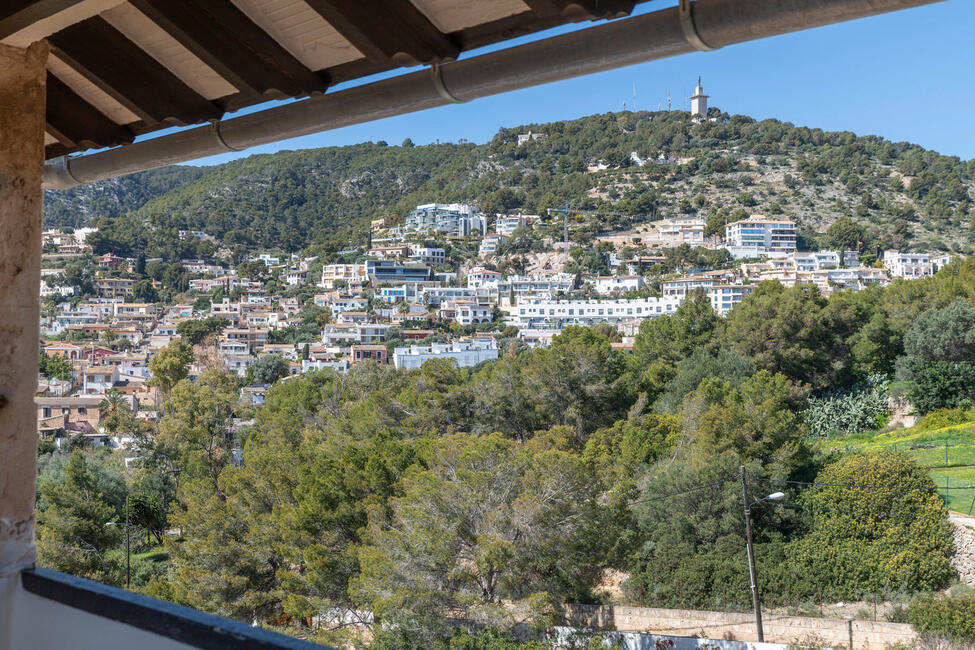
x: 677, y: 494
x: 714, y: 484
x: 863, y: 487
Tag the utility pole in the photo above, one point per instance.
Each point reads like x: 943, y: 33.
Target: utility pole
x: 565, y: 227
x: 565, y: 222
x: 756, y: 601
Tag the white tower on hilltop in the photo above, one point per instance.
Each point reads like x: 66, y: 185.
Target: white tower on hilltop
x: 699, y: 103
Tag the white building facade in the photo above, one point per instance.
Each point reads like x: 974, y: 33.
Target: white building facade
x: 532, y: 314
x: 758, y: 236
x: 609, y: 283
x: 465, y: 353
x: 913, y: 265
x: 457, y: 219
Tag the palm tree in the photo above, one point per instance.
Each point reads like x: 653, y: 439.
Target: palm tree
x: 114, y: 409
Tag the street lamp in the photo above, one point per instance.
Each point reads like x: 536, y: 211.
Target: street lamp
x: 756, y: 600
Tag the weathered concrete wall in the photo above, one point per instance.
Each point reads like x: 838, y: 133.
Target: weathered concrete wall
x: 567, y: 637
x: 867, y: 635
x: 22, y: 121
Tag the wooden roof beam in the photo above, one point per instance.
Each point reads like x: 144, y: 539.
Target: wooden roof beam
x: 73, y: 121
x: 108, y: 59
x: 15, y: 15
x: 391, y: 30
x: 579, y: 10
x: 224, y: 38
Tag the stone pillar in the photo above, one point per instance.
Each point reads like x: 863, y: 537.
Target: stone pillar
x: 22, y: 107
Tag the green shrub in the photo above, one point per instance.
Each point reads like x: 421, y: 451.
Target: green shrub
x: 859, y: 409
x: 897, y: 614
x: 874, y: 540
x: 943, y: 418
x: 938, y: 614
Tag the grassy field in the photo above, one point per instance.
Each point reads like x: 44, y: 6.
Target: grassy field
x: 948, y: 449
x: 960, y: 499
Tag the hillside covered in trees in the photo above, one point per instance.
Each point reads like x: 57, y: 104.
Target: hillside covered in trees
x: 901, y: 195
x: 493, y: 495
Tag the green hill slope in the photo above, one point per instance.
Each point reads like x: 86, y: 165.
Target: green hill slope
x: 902, y: 195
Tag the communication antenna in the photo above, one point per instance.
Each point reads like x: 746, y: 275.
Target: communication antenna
x: 668, y: 99
x: 634, y: 96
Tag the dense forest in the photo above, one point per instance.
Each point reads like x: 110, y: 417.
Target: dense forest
x: 900, y: 194
x: 477, y: 501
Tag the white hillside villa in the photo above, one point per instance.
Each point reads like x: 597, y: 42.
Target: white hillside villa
x: 465, y: 353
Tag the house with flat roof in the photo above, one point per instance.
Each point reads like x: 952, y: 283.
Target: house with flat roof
x: 757, y: 236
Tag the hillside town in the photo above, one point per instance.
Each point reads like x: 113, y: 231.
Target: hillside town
x: 443, y: 282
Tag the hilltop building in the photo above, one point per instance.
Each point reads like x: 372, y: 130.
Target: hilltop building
x: 524, y: 138
x: 757, y: 236
x: 913, y: 265
x: 447, y: 218
x: 680, y: 230
x: 699, y: 103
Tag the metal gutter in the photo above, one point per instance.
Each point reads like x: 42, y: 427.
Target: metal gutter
x: 701, y: 25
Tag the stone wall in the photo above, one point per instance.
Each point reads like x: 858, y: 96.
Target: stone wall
x: 867, y: 635
x: 964, y: 559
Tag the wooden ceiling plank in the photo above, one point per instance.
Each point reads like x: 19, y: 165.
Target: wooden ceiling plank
x: 16, y: 15
x: 224, y: 38
x: 74, y: 121
x: 104, y: 56
x: 391, y: 30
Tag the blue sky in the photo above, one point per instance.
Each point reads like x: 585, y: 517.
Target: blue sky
x: 906, y: 76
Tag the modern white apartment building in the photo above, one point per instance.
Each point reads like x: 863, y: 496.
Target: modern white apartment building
x: 348, y: 273
x: 430, y: 255
x: 449, y: 218
x: 913, y: 265
x: 465, y: 353
x: 532, y: 314
x: 338, y: 365
x: 439, y: 295
x: 490, y: 244
x: 724, y: 297
x: 342, y: 304
x: 479, y: 277
x: 508, y: 223
x: 680, y: 230
x: 465, y: 312
x: 607, y: 284
x: 756, y: 236
x: 680, y: 287
x: 820, y: 260
x: 521, y: 287
x: 371, y: 332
